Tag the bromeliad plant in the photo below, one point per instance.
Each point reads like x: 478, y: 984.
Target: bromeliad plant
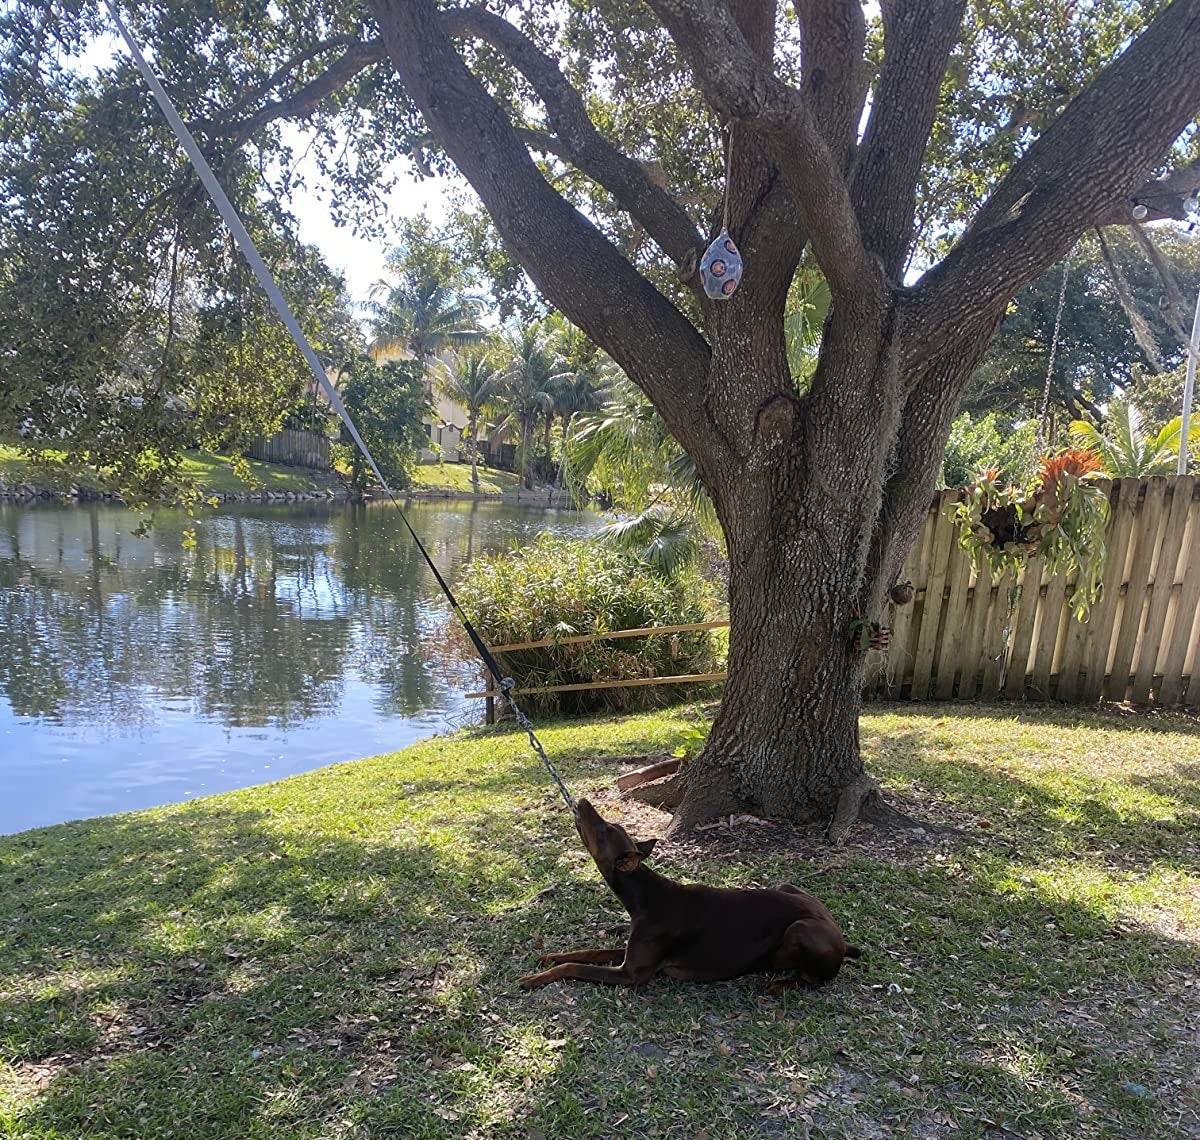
x: 1060, y: 518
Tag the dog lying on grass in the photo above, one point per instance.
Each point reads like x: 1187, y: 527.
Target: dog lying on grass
x: 696, y: 933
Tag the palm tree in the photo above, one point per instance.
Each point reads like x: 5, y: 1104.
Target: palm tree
x: 473, y: 380
x: 1127, y: 452
x: 532, y: 375
x: 627, y: 449
x: 589, y: 379
x: 803, y: 321
x: 421, y: 317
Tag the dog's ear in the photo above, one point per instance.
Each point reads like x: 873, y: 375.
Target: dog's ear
x: 853, y: 952
x: 645, y: 846
x: 630, y: 861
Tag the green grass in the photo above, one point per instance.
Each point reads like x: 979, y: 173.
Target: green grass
x: 457, y: 477
x: 213, y: 472
x: 335, y: 955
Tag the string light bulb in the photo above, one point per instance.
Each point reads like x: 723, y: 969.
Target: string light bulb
x: 1139, y: 212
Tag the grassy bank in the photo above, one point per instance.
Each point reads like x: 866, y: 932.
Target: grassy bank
x: 213, y: 472
x: 456, y: 477
x: 335, y: 955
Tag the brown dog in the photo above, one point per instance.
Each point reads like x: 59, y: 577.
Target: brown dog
x: 697, y: 933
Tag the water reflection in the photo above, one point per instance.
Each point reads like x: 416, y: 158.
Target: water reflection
x: 134, y: 671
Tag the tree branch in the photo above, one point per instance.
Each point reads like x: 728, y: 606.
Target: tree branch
x: 578, y: 140
x: 835, y: 75
x: 359, y: 55
x: 741, y: 86
x: 918, y: 36
x: 573, y: 265
x: 1162, y: 197
x: 253, y: 94
x: 1086, y: 166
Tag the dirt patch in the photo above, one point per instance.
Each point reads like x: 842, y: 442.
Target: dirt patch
x: 748, y: 837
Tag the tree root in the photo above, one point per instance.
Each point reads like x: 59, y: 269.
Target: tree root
x: 862, y: 799
x: 666, y: 793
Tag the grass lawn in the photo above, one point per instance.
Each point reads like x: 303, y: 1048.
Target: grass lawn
x: 457, y: 477
x: 214, y: 473
x: 211, y: 471
x: 335, y: 955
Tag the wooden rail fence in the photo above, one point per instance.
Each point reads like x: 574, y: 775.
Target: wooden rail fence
x: 970, y: 635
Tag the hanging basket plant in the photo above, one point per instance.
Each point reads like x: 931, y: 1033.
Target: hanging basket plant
x: 1060, y: 517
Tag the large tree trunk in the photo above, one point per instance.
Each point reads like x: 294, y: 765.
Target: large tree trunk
x: 785, y: 742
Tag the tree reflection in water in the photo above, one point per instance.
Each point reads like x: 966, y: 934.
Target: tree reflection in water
x: 279, y: 620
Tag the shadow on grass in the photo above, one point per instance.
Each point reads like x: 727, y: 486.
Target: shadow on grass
x: 1129, y: 821
x: 1108, y: 716
x: 296, y: 972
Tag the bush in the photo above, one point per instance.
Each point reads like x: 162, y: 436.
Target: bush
x: 989, y: 442
x: 556, y: 588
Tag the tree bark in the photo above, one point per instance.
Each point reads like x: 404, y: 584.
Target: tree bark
x: 785, y: 741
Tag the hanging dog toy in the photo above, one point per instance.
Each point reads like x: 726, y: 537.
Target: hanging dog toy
x: 721, y: 265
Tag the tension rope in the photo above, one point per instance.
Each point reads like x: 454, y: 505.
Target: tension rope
x: 246, y: 244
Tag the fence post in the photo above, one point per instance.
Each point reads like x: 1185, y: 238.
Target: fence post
x: 489, y: 714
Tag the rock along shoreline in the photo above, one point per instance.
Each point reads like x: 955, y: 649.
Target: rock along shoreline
x: 30, y: 494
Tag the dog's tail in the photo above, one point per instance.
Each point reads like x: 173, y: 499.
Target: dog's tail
x: 853, y: 952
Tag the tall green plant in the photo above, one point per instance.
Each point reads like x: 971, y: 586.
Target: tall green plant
x: 387, y: 402
x: 556, y: 588
x: 533, y: 372
x: 1125, y: 450
x: 421, y: 317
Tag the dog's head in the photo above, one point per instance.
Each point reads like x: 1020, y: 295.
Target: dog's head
x: 615, y: 852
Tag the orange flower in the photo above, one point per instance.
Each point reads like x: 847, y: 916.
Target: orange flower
x: 1074, y: 461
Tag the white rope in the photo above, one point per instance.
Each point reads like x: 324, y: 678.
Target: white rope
x: 242, y: 237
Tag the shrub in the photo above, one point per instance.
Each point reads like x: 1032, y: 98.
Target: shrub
x: 556, y: 588
x: 989, y: 442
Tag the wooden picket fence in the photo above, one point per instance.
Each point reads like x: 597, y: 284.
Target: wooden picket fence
x: 968, y: 635
x: 294, y: 448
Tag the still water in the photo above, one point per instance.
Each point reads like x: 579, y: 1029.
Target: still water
x: 136, y: 672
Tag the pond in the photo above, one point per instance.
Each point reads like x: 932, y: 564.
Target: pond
x: 136, y: 672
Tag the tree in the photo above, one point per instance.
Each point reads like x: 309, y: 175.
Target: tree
x: 473, y: 379
x: 1125, y: 450
x: 989, y: 441
x: 129, y: 327
x: 995, y: 137
x: 533, y: 371
x: 588, y: 378
x: 1116, y: 323
x: 386, y: 402
x: 420, y: 317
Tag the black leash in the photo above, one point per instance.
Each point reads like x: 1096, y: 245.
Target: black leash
x: 505, y: 684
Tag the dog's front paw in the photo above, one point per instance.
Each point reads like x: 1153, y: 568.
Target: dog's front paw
x: 532, y: 981
x: 550, y: 959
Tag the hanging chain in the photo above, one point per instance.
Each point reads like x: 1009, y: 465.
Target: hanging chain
x: 1044, y: 418
x: 728, y: 172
